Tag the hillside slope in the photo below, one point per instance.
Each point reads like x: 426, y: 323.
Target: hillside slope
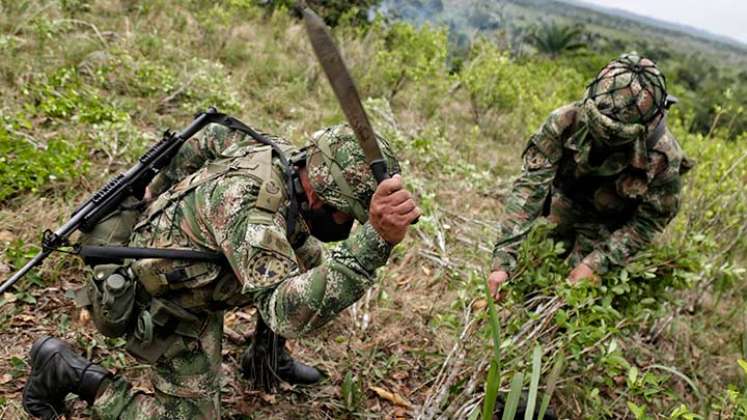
x: 92, y: 83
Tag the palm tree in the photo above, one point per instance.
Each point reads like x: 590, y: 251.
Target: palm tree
x: 554, y: 39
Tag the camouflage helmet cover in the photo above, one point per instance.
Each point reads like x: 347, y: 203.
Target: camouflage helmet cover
x: 625, y: 100
x: 339, y: 173
x: 623, y: 105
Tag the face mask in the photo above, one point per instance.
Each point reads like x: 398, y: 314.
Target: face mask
x: 323, y: 225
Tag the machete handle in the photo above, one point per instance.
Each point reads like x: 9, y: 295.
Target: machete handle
x: 381, y: 173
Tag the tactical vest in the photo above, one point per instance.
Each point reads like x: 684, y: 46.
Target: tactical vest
x: 152, y: 301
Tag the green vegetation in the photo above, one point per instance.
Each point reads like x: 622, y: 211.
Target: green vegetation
x: 334, y: 12
x: 711, y: 71
x: 91, y: 83
x: 554, y: 39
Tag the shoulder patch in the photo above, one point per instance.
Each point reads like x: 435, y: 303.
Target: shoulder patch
x: 266, y: 269
x: 549, y: 138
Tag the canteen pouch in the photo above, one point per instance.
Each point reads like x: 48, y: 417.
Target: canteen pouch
x: 111, y: 293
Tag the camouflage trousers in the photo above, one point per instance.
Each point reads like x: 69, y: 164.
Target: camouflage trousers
x: 186, y: 382
x: 578, y: 228
x: 187, y: 378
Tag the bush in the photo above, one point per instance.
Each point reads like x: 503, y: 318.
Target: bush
x: 407, y: 55
x: 29, y: 165
x: 62, y: 95
x: 334, y: 12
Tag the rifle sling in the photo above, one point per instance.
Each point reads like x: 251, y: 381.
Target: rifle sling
x: 123, y: 252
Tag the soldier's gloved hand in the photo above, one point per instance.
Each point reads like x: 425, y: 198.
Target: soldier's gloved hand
x: 392, y: 209
x: 495, y: 280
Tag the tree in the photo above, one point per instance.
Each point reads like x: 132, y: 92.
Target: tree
x: 553, y: 39
x: 332, y: 11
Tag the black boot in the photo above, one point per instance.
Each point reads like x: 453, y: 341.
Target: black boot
x: 266, y: 362
x: 295, y: 372
x: 55, y: 372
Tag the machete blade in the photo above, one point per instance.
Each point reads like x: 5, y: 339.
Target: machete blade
x: 345, y: 90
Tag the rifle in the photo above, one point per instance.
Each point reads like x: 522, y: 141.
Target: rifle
x: 107, y: 199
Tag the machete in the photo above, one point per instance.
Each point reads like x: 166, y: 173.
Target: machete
x: 344, y: 87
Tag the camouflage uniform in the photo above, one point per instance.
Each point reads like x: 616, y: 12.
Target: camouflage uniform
x: 610, y: 184
x: 226, y: 193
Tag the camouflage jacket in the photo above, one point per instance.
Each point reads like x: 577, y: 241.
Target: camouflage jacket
x: 635, y: 205
x: 226, y: 193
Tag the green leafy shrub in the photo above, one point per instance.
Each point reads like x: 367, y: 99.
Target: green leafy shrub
x: 487, y: 78
x: 205, y: 84
x: 406, y: 54
x: 528, y: 91
x: 26, y: 165
x: 334, y: 12
x: 63, y: 95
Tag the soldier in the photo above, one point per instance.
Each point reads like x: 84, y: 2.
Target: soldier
x: 605, y: 170
x: 227, y: 193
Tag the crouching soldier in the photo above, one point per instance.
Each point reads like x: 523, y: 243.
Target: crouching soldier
x: 264, y: 209
x: 605, y: 170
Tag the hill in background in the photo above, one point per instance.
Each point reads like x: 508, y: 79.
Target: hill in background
x: 608, y: 28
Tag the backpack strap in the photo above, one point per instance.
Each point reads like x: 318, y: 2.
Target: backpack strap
x: 292, y: 213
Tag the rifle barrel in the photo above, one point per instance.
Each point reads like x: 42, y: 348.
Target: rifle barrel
x: 22, y: 272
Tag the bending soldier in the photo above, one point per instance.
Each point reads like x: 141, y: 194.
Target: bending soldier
x: 227, y: 193
x: 605, y: 170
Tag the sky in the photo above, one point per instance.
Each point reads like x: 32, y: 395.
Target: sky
x: 722, y: 17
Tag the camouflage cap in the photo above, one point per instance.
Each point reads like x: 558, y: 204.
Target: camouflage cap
x: 339, y: 172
